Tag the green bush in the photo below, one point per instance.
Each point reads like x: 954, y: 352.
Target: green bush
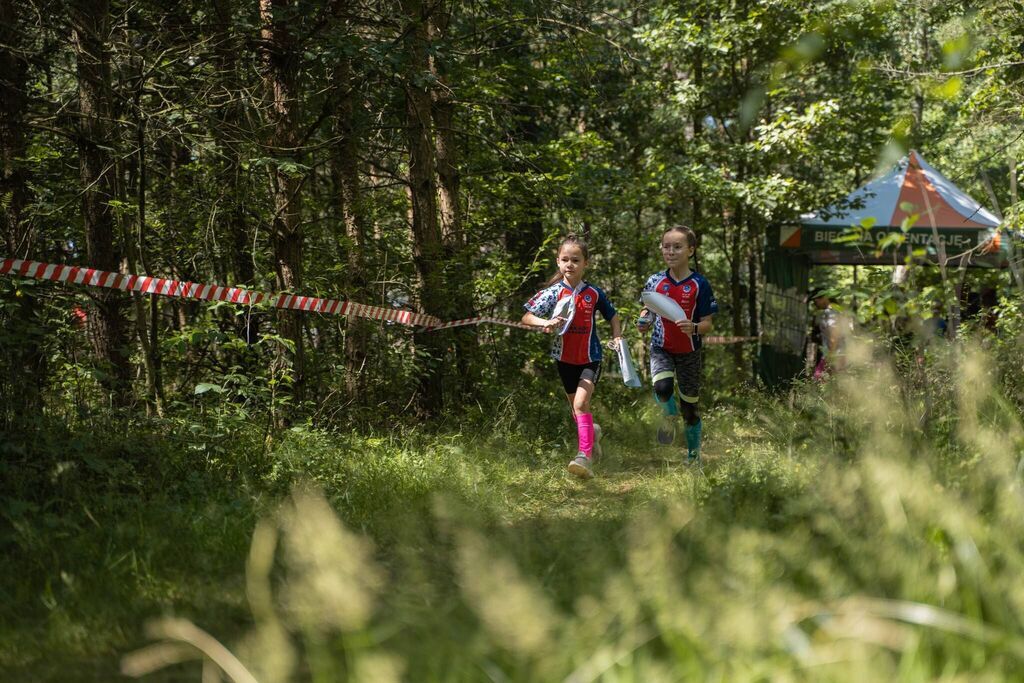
x: 865, y: 529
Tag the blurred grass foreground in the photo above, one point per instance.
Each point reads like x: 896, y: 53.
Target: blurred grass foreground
x: 867, y: 529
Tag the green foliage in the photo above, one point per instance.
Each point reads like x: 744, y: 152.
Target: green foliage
x: 867, y: 529
x: 824, y: 528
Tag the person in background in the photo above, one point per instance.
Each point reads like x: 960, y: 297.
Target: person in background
x: 989, y: 308
x: 832, y: 330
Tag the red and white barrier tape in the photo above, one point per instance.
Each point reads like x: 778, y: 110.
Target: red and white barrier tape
x: 246, y: 297
x: 715, y: 339
x: 190, y: 290
x: 482, y: 319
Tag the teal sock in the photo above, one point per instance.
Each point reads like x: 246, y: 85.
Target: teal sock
x: 693, y: 440
x: 669, y: 407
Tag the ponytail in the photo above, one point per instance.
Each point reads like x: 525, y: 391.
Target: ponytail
x: 553, y: 279
x: 571, y: 238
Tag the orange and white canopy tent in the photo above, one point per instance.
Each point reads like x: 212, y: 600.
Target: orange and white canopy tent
x: 912, y: 187
x: 965, y: 228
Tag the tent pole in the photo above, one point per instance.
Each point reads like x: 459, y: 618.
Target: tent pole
x: 855, y: 287
x: 952, y: 303
x: 1015, y: 271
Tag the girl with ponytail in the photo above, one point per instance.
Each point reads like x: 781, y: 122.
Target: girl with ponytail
x: 568, y: 307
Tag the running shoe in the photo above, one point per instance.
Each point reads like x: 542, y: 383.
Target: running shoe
x: 581, y: 467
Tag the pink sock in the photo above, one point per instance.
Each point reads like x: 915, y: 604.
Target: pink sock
x: 585, y: 430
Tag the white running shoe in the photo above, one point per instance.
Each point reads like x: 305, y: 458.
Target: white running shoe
x: 580, y: 466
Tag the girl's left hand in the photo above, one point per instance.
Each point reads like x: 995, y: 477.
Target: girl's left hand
x: 686, y: 326
x: 550, y: 326
x: 615, y: 343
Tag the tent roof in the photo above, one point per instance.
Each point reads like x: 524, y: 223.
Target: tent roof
x: 913, y: 184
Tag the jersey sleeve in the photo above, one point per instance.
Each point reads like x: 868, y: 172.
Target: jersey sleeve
x: 543, y: 302
x: 706, y: 302
x: 604, y: 304
x: 651, y: 285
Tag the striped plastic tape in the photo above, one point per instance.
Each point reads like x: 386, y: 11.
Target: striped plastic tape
x: 143, y: 284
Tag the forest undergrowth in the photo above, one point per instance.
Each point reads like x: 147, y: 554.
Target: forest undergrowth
x: 865, y: 529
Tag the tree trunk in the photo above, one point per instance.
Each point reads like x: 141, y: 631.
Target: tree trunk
x: 752, y: 275
x: 524, y: 236
x: 147, y: 321
x: 25, y: 361
x: 752, y: 294
x: 351, y: 211
x: 923, y: 38
x: 239, y: 263
x: 226, y: 50
x: 95, y: 136
x: 698, y: 127
x: 13, y: 180
x: 1010, y: 236
x: 281, y: 72
x: 459, y: 275
x: 736, y: 285
x: 428, y: 249
x: 443, y: 114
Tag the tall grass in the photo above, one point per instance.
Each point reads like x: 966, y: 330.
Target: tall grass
x: 867, y: 529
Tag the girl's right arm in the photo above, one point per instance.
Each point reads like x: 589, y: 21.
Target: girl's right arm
x: 543, y: 323
x: 542, y: 304
x: 646, y: 318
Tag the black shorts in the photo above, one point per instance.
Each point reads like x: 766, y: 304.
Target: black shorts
x: 686, y: 367
x: 572, y: 375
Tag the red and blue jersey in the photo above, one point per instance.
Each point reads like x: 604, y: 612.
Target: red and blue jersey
x: 580, y: 344
x: 694, y: 294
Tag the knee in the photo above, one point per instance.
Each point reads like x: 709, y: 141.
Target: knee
x: 581, y: 402
x: 663, y: 390
x: 690, y: 413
